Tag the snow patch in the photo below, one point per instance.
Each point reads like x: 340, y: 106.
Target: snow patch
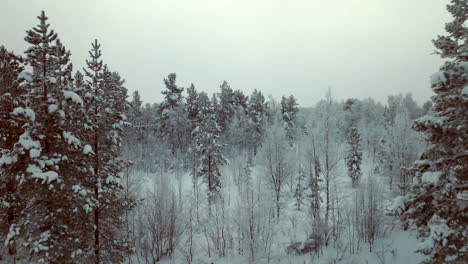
x: 427, y: 119
x: 26, y: 76
x: 398, y: 204
x: 87, y: 208
x: 79, y: 189
x: 439, y: 233
x: 28, y: 112
x: 437, y: 78
x: 465, y: 90
x: 431, y: 177
x: 14, y: 231
x: 34, y: 153
x: 52, y: 108
x: 26, y: 141
x: 44, y: 236
x: 72, y: 140
x: 73, y: 96
x: 52, y: 79
x: 7, y: 160
x: 87, y: 149
x: 47, y: 176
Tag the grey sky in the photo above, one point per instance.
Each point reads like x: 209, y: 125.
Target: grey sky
x: 360, y: 48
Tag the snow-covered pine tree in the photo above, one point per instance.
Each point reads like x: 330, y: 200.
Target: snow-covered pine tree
x: 135, y: 133
x: 174, y: 125
x: 136, y: 104
x: 207, y: 152
x: 289, y: 109
x: 352, y: 115
x: 79, y: 80
x: 226, y: 108
x: 173, y: 94
x: 105, y: 103
x: 11, y: 97
x: 192, y: 104
x: 47, y: 155
x: 240, y: 99
x: 237, y: 131
x: 301, y: 186
x: 354, y: 156
x: 439, y: 197
x: 256, y: 111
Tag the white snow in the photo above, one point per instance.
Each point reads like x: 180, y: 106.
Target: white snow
x: 44, y: 236
x: 52, y: 79
x: 71, y: 139
x: 87, y: 208
x: 47, y: 176
x: 13, y: 231
x: 439, y: 232
x: 26, y: 76
x: 73, y: 96
x: 437, y: 78
x: 423, y: 162
x: 398, y: 205
x: 432, y: 119
x: 27, y: 142
x: 28, y: 112
x: 34, y: 153
x: 79, y: 189
x: 465, y: 90
x: 52, y: 108
x: 431, y: 177
x: 7, y: 160
x: 87, y: 149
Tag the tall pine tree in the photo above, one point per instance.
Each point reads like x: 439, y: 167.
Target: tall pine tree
x: 439, y: 198
x: 48, y: 155
x: 105, y: 100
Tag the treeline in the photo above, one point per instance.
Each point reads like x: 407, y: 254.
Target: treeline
x: 74, y: 151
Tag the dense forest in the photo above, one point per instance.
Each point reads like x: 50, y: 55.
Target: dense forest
x: 91, y: 174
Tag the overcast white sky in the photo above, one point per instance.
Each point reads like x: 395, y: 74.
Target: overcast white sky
x: 360, y: 48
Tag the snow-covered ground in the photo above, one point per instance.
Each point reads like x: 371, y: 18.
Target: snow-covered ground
x: 396, y: 246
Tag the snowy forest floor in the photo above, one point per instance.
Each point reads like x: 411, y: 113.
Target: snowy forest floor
x: 393, y: 246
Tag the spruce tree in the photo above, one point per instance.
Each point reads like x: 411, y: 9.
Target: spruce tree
x: 438, y: 199
x: 354, y: 156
